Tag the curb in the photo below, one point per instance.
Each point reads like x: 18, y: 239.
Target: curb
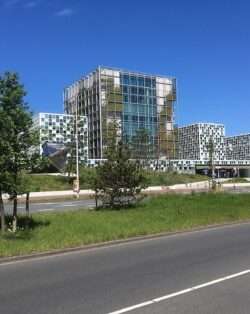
x: 111, y: 243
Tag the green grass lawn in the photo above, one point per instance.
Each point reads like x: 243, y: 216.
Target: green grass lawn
x: 158, y: 214
x: 171, y: 178
x: 42, y: 182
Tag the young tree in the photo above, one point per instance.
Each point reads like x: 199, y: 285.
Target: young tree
x: 119, y: 179
x: 3, y: 180
x: 2, y: 214
x: 5, y: 155
x: 20, y: 138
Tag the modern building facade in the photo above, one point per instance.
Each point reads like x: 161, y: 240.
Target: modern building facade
x: 238, y: 147
x: 194, y: 141
x: 136, y: 107
x: 59, y: 129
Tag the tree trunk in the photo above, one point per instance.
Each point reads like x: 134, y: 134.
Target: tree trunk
x: 2, y: 213
x: 14, y: 226
x: 27, y: 205
x: 96, y: 198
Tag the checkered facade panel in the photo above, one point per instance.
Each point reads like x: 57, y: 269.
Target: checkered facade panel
x: 238, y: 147
x: 193, y: 141
x: 60, y: 129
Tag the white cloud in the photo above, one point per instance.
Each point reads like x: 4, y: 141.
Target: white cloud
x: 65, y: 12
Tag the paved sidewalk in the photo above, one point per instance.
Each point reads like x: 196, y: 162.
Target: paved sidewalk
x: 70, y: 193
x: 198, y: 186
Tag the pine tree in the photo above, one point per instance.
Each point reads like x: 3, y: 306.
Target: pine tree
x: 119, y: 179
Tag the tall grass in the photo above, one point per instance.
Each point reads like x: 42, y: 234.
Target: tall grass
x: 171, y: 178
x: 42, y: 182
x: 159, y: 214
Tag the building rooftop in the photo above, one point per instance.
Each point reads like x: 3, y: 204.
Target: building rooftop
x: 242, y: 134
x: 135, y: 72
x: 120, y: 70
x: 199, y: 123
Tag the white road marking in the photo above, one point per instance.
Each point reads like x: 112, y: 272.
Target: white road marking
x: 44, y: 203
x: 74, y: 205
x: 175, y: 294
x: 64, y: 204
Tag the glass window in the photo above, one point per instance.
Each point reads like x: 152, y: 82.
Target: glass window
x: 125, y: 79
x: 147, y: 82
x: 125, y: 89
x: 126, y: 107
x: 126, y: 126
x: 133, y: 80
x: 142, y: 109
x: 133, y: 90
x: 149, y: 92
x: 133, y: 99
x: 125, y: 98
x: 141, y: 91
x: 141, y: 99
x: 134, y: 108
x: 141, y: 81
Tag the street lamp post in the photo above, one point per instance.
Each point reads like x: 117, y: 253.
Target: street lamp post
x: 77, y: 185
x: 211, y: 148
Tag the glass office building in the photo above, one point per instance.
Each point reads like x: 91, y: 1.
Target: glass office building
x: 137, y: 107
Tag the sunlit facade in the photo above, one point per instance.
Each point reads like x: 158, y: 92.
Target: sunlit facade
x: 238, y: 147
x: 139, y: 106
x: 59, y: 129
x: 193, y: 141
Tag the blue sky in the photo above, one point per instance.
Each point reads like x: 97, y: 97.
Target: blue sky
x: 204, y: 44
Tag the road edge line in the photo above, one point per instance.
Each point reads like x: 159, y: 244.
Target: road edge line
x: 139, y: 238
x: 181, y: 292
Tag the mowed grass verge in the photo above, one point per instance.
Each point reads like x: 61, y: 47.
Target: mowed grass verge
x: 158, y: 214
x: 43, y: 182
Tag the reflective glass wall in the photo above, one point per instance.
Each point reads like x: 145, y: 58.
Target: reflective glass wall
x: 142, y: 106
x: 137, y: 108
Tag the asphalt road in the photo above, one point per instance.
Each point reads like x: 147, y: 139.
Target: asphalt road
x: 62, y: 205
x: 112, y: 278
x: 53, y: 206
x: 230, y: 297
